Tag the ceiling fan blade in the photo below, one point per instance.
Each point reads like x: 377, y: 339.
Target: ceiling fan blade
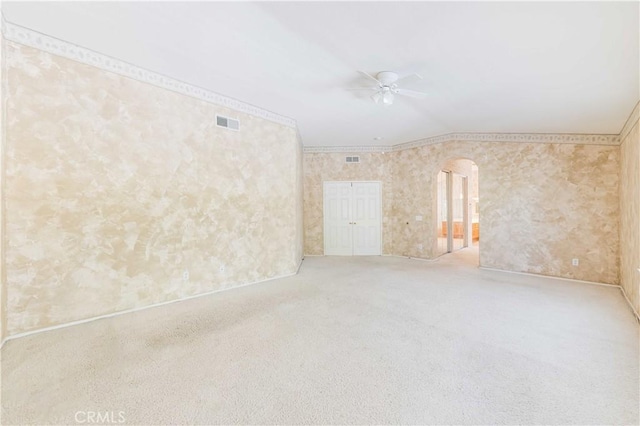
x: 411, y: 93
x: 362, y: 88
x: 370, y: 77
x: 409, y: 77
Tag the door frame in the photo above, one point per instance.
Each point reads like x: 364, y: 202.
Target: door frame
x: 465, y: 209
x: 380, y: 192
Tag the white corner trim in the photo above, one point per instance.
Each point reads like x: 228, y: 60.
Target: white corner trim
x: 631, y: 121
x: 549, y: 276
x: 28, y: 37
x: 635, y: 313
x: 550, y: 138
x: 142, y: 308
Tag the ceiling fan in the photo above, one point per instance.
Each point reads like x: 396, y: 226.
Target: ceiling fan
x: 387, y: 86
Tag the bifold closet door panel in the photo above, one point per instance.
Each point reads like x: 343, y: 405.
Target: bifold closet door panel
x: 366, y: 218
x: 338, y: 231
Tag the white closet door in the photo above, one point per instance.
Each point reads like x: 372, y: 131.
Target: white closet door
x: 338, y: 231
x: 366, y: 218
x: 352, y: 218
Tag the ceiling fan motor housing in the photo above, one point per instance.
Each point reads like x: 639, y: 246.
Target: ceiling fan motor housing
x: 387, y: 78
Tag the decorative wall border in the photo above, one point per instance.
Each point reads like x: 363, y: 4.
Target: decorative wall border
x: 28, y: 37
x: 557, y: 138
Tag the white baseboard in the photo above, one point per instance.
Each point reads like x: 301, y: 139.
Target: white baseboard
x: 635, y: 313
x: 549, y: 276
x: 409, y: 257
x: 142, y: 308
x: 624, y: 293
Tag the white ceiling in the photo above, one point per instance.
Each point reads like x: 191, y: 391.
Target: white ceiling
x: 544, y: 67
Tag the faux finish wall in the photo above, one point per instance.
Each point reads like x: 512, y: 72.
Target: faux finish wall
x: 299, y: 253
x: 3, y: 279
x: 115, y: 188
x: 630, y: 209
x: 541, y: 204
x: 320, y: 167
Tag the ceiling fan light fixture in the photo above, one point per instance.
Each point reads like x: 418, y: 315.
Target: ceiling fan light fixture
x: 387, y: 97
x: 387, y: 87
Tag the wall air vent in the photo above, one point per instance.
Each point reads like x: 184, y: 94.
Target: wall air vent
x: 352, y: 159
x: 229, y: 123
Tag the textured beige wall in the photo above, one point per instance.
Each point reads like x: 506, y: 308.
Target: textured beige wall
x: 299, y: 254
x: 320, y: 167
x: 540, y: 205
x: 630, y: 209
x: 115, y: 187
x: 3, y: 280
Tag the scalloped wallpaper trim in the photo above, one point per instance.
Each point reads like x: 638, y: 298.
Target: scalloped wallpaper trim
x: 71, y: 51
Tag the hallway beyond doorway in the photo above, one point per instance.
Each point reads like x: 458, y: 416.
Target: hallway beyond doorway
x: 457, y: 200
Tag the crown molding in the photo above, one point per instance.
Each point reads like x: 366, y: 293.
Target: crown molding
x: 31, y: 38
x: 554, y: 138
x: 347, y: 149
x: 631, y: 121
x: 422, y: 142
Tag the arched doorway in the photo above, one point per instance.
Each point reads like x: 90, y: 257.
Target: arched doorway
x: 458, y: 212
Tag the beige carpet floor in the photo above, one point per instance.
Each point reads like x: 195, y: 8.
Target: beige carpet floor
x: 363, y: 340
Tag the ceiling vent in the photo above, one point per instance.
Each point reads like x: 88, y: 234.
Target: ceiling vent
x: 352, y: 159
x: 229, y: 123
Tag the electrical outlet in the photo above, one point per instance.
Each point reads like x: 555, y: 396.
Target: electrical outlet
x: 575, y: 262
x: 221, y: 268
x: 185, y: 275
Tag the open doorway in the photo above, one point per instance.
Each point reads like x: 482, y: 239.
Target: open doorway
x: 458, y: 206
x: 474, y: 205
